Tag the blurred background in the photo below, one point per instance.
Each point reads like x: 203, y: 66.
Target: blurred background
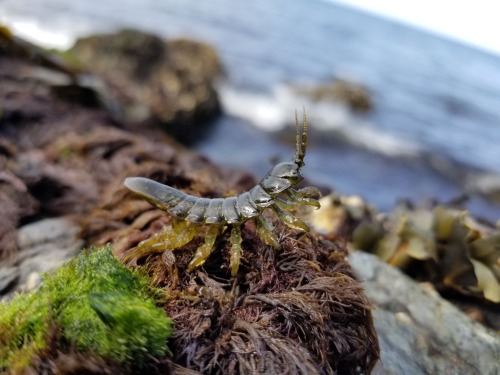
x: 401, y: 98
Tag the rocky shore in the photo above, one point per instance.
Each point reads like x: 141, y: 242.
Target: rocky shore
x: 70, y: 132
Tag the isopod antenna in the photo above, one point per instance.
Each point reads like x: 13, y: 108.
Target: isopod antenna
x: 300, y: 147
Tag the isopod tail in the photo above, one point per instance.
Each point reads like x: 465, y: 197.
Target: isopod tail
x: 162, y: 196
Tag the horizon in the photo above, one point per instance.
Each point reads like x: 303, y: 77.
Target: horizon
x: 448, y: 18
x: 443, y: 23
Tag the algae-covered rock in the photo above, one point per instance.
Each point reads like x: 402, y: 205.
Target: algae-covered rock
x: 168, y: 82
x: 93, y: 305
x: 299, y: 310
x: 353, y: 95
x: 444, y: 245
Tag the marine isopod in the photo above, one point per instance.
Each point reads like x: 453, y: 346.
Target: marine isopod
x: 189, y: 213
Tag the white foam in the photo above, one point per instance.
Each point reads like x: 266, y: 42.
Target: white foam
x: 259, y: 109
x: 32, y: 31
x: 274, y: 111
x: 375, y: 140
x: 485, y: 183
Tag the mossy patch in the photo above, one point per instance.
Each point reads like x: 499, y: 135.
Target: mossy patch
x: 94, y: 304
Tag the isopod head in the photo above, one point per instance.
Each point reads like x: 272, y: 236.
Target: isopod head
x: 286, y: 174
x: 281, y: 177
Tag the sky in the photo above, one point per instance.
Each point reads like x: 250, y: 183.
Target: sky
x: 475, y: 22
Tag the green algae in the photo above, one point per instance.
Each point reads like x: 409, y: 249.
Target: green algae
x: 91, y: 304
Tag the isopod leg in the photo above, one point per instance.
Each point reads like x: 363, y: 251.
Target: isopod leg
x: 265, y: 230
x: 183, y: 233
x: 235, y: 241
x: 204, y: 250
x: 169, y: 238
x: 289, y: 219
x: 304, y: 196
x: 309, y: 192
x: 286, y: 204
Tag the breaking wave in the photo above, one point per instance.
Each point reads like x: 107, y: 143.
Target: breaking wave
x: 272, y: 112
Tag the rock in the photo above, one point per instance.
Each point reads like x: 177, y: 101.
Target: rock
x: 487, y: 184
x: 419, y: 332
x: 166, y: 82
x: 8, y: 276
x: 353, y: 95
x: 435, y: 242
x: 43, y: 247
x: 16, y: 203
x: 33, y: 281
x: 45, y: 231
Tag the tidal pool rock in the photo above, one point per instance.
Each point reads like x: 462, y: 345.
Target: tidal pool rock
x: 169, y: 82
x: 8, y: 276
x: 419, y: 332
x: 354, y: 96
x: 43, y: 247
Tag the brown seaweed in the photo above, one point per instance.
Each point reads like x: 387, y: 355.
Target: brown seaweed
x: 298, y: 311
x: 441, y: 244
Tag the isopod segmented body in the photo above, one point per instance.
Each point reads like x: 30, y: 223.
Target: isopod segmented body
x: 189, y: 213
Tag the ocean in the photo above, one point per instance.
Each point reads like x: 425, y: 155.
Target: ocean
x: 434, y: 131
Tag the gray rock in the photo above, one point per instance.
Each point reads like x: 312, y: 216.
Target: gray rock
x: 43, y: 247
x: 419, y: 332
x: 47, y: 230
x: 8, y: 276
x: 47, y: 257
x: 33, y: 280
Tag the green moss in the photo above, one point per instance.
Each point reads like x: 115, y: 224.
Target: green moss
x: 96, y: 304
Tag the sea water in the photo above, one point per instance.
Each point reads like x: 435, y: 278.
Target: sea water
x: 434, y: 132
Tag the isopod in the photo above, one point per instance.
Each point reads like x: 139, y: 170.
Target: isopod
x: 189, y: 213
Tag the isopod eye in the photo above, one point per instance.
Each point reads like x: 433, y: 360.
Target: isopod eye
x: 288, y: 170
x: 291, y: 174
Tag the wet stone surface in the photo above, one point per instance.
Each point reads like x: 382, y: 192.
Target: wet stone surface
x: 419, y: 332
x: 43, y: 247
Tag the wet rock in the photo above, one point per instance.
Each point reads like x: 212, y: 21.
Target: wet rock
x: 44, y: 231
x: 487, y: 184
x: 166, y: 82
x: 16, y: 203
x: 43, y: 247
x: 8, y: 276
x: 419, y: 332
x: 353, y: 95
x: 58, y: 189
x: 437, y: 243
x: 13, y: 46
x: 49, y: 160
